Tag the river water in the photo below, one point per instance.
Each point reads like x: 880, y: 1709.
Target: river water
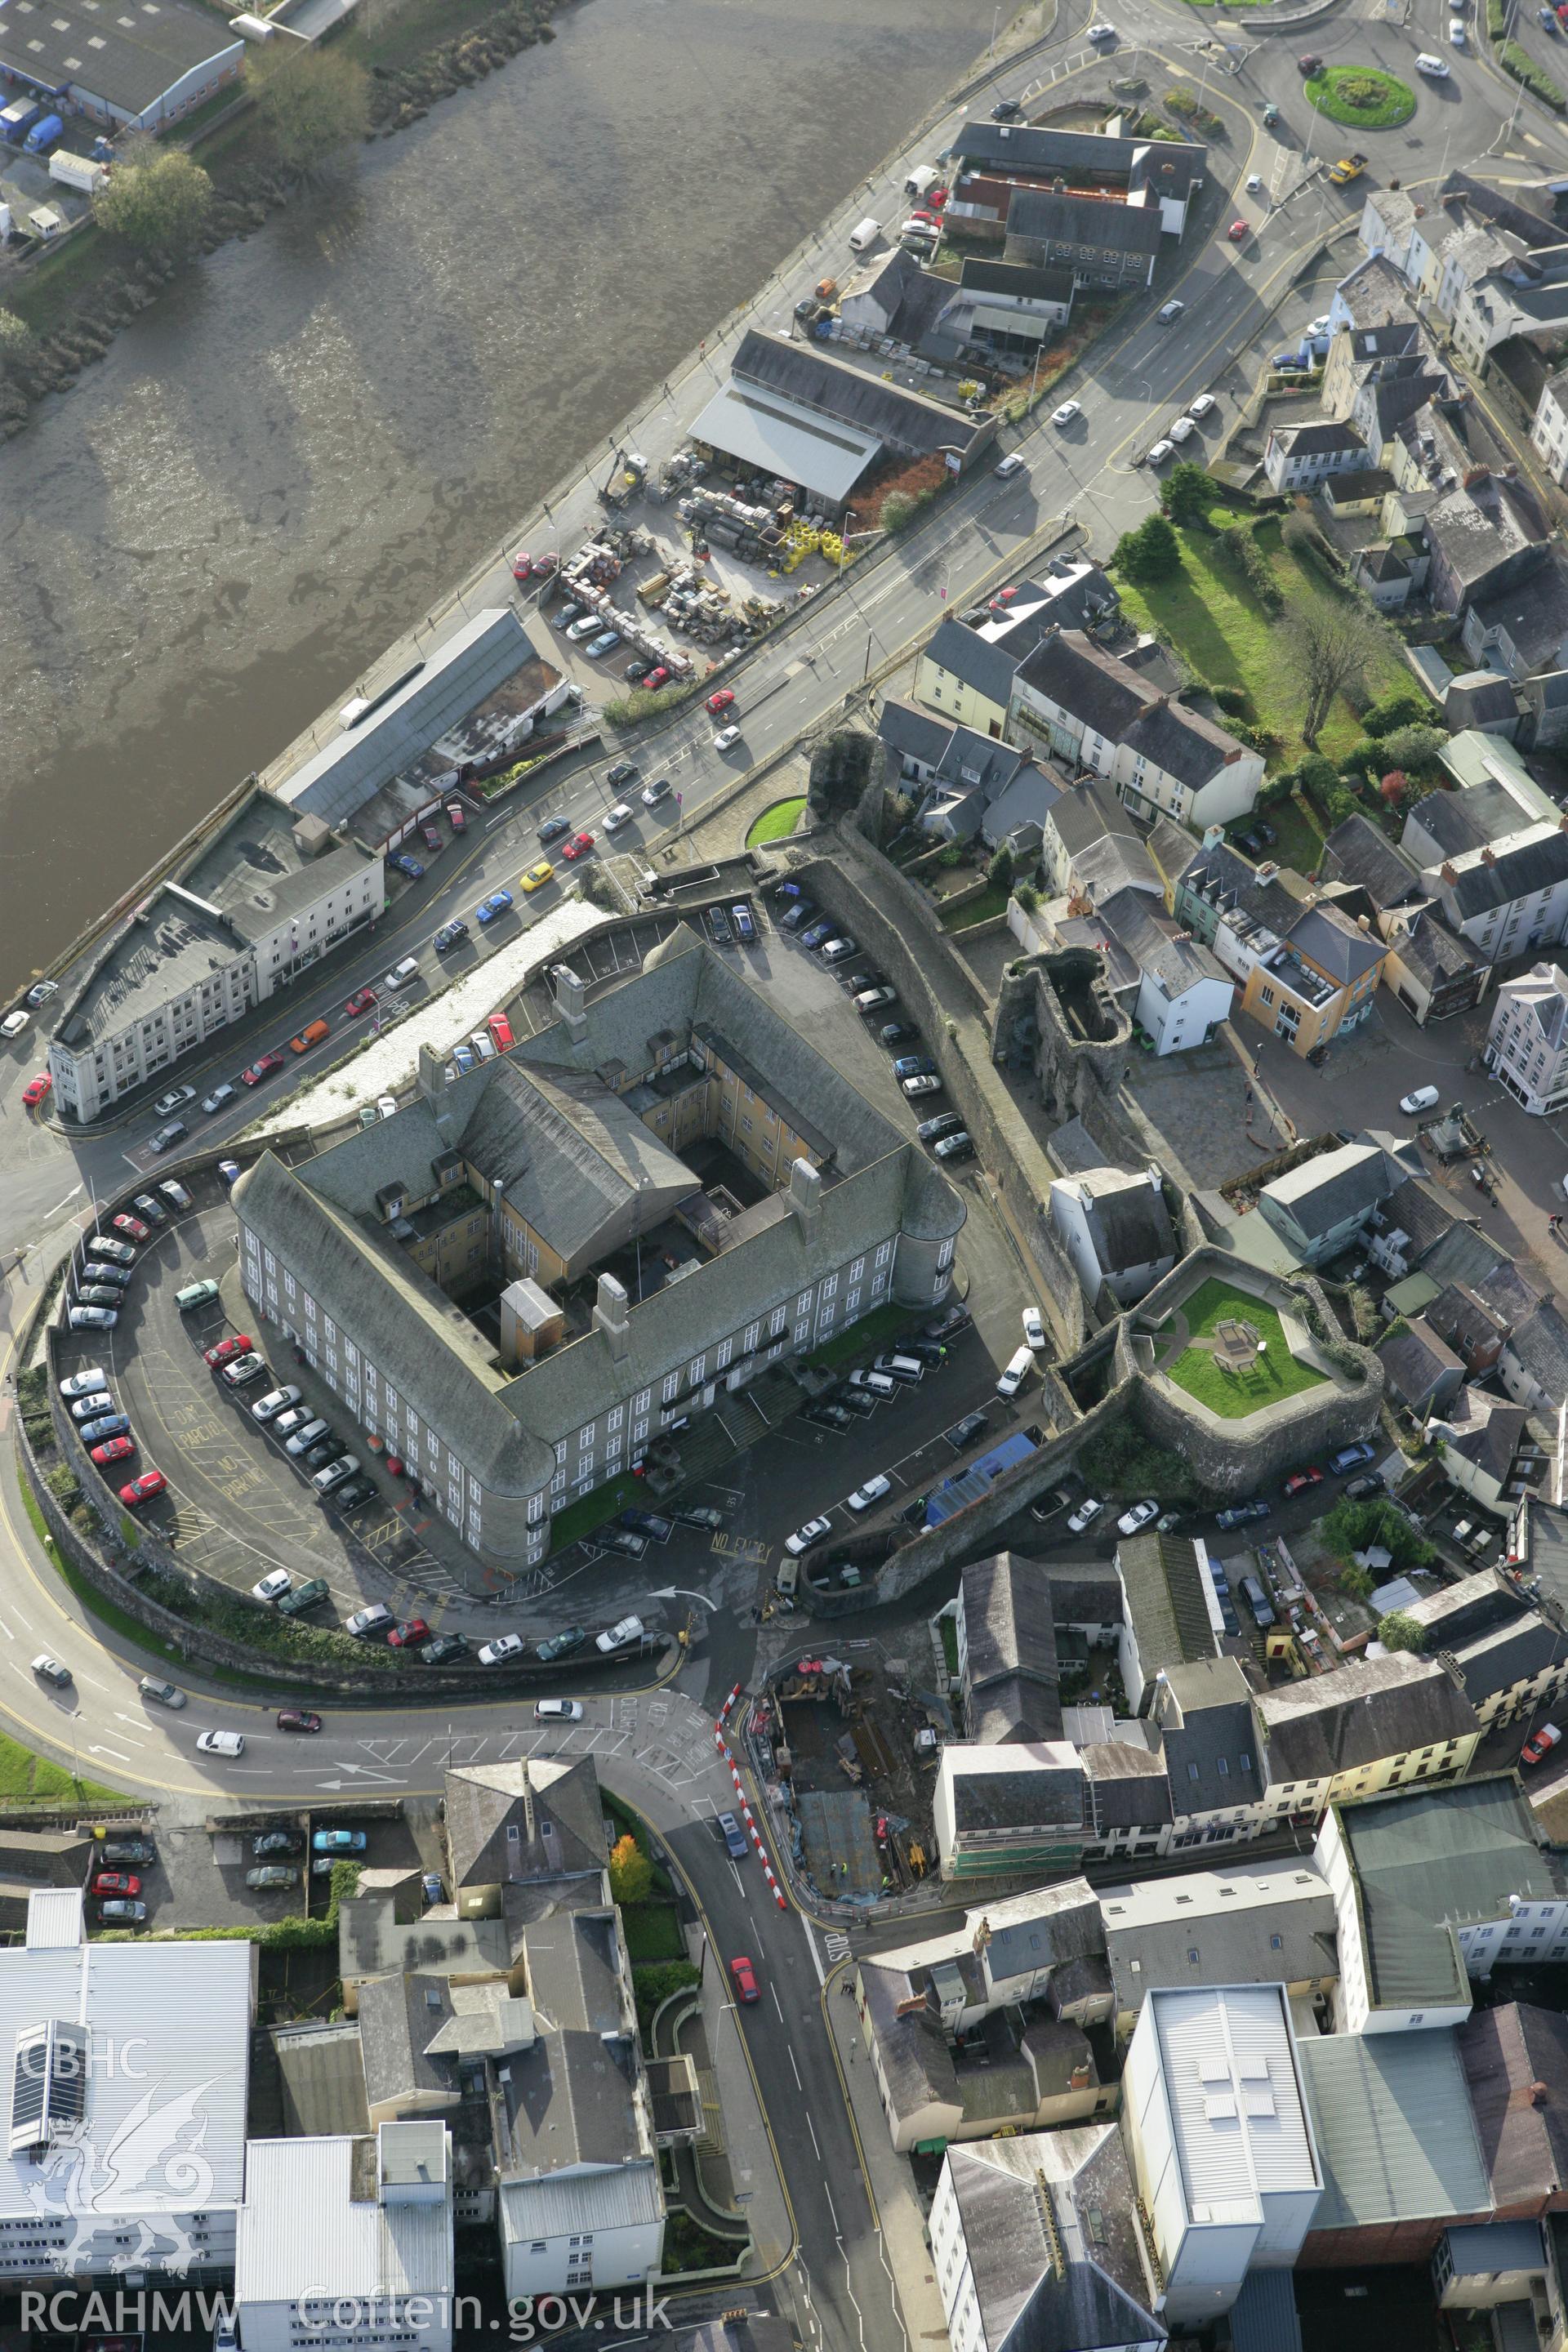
x: 287, y: 462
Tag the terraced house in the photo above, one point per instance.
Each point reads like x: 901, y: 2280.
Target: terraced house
x: 533, y: 1273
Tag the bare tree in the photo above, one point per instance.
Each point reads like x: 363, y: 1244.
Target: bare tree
x: 1329, y: 641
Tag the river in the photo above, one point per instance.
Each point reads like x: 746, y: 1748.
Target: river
x: 282, y: 466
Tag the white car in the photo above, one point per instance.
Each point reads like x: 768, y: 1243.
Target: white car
x: 558, y: 1710
x: 871, y: 1492
x: 1161, y: 451
x: 1067, y: 411
x: 619, y: 1636
x: 220, y: 1743
x: 1202, y: 406
x: 1182, y: 429
x: 1034, y: 1328
x: 275, y: 1401
x: 725, y: 737
x: 1138, y: 1517
x: 804, y: 1537
x: 1424, y: 1098
x: 273, y: 1585
x: 617, y: 817
x: 1086, y: 1512
x: 1437, y: 67
x: 82, y: 1384
x: 506, y: 1645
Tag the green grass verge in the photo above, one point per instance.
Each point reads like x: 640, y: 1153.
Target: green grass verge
x: 1210, y: 617
x: 1236, y: 1396
x: 1388, y: 100
x: 776, y: 823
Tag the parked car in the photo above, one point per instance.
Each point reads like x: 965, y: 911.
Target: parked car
x: 557, y: 1710
x: 1138, y: 1517
x: 1087, y: 1511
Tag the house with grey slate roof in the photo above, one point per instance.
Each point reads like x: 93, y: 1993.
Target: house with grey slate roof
x: 629, y: 1301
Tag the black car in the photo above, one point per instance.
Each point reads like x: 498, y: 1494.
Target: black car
x: 444, y: 1650
x: 553, y: 827
x: 827, y: 1416
x: 1007, y: 109
x: 621, y: 773
x: 448, y: 935
x: 965, y: 1433
x: 946, y: 1122
x: 697, y: 1515
x: 897, y: 1032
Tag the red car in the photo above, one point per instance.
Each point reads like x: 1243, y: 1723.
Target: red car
x: 361, y: 1001
x: 259, y: 1070
x: 578, y: 846
x: 142, y: 1489
x: 522, y: 564
x: 116, y: 1882
x: 745, y: 1982
x: 114, y: 1449
x: 1300, y: 1480
x: 133, y: 1226
x: 412, y: 1630
x: 298, y: 1719
x: 1236, y: 231
x: 721, y: 701
x: 224, y: 1352
x: 33, y: 1094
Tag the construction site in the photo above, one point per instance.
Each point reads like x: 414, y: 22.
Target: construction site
x: 848, y: 1750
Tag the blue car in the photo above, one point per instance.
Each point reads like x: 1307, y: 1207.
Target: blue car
x: 409, y: 866
x: 109, y: 1425
x: 339, y: 1841
x: 914, y: 1066
x: 495, y: 903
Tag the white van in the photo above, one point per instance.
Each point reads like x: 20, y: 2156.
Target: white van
x: 1019, y: 1366
x: 863, y: 234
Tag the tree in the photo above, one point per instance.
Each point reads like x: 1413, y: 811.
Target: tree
x: 1329, y: 641
x: 1412, y: 746
x: 158, y: 200
x: 1152, y: 551
x: 1400, y: 1631
x: 631, y: 1872
x: 314, y: 103
x: 1186, y: 492
x: 999, y: 873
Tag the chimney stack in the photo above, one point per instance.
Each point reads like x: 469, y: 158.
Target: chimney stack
x: 612, y: 1315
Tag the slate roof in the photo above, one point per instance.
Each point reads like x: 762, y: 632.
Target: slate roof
x: 1506, y: 2053
x: 1427, y: 1860
x: 1392, y: 2123
x: 1011, y: 1670
x: 1043, y: 218
x: 1163, y: 1599
x: 1358, y: 1715
x: 1358, y: 851
x: 1074, y: 2283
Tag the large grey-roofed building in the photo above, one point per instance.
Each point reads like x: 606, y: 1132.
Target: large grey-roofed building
x: 340, y: 1253
x: 140, y: 64
x: 360, y: 759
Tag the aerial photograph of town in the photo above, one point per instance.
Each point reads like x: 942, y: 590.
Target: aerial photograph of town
x: 784, y: 1175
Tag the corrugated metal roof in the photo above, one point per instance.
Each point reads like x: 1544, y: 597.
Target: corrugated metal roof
x: 621, y: 2197
x: 1394, y: 2128
x: 303, y: 2235
x: 1237, y: 2119
x: 171, y: 2043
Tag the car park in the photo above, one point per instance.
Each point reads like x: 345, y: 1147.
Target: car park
x: 163, y: 1695
x: 872, y: 1492
x: 1138, y: 1517
x: 116, y: 1449
x: 1423, y: 1099
x: 220, y: 1743
x: 1299, y: 1481
x: 243, y: 1371
x: 275, y: 1401
x: 495, y: 904
x: 556, y: 1646
x: 504, y: 1647
x: 93, y: 1319
x: 1087, y: 1511
x: 814, y: 1531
